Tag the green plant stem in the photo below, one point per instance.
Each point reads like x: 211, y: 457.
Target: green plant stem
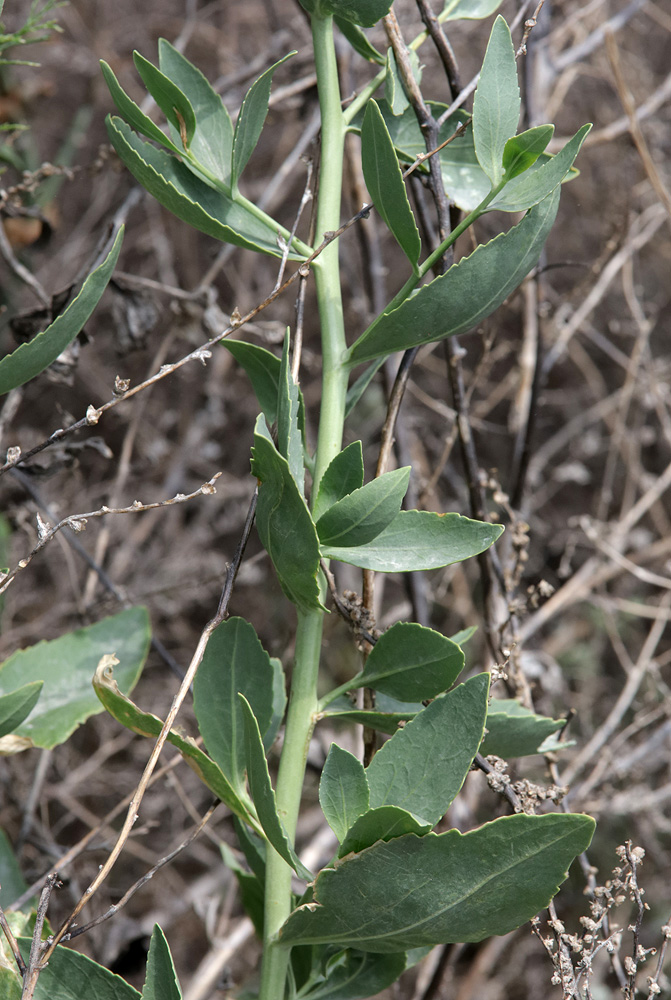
x: 303, y: 704
x: 299, y: 725
x: 326, y: 268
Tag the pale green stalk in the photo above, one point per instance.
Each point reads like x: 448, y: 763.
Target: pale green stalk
x: 304, y: 703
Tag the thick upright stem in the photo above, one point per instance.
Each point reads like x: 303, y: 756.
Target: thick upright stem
x: 302, y: 707
x: 327, y: 272
x: 303, y: 703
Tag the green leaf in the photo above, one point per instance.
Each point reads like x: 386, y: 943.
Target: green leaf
x: 520, y: 152
x: 250, y: 120
x: 188, y: 197
x: 69, y: 973
x: 515, y: 731
x: 466, y: 184
x: 359, y: 41
x: 263, y: 370
x: 289, y: 442
x: 394, y: 94
x: 343, y: 476
x: 463, y: 635
x: 418, y: 539
x: 161, y: 982
x: 363, y: 12
x: 173, y: 103
x: 441, y: 888
x: 263, y: 794
x: 412, y: 663
x: 234, y: 661
x: 381, y: 823
x: 353, y: 975
x: 31, y: 358
x: 465, y: 295
x: 385, y: 183
x: 17, y: 706
x: 212, y: 143
x: 279, y: 702
x: 472, y: 10
x: 66, y: 666
x: 343, y: 790
x: 11, y: 983
x: 283, y: 521
x: 361, y: 515
x: 423, y: 766
x: 133, y: 114
x: 496, y: 105
x: 253, y: 848
x: 12, y: 882
x: 129, y: 715
x: 541, y: 179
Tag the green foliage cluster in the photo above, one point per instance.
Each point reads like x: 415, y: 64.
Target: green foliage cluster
x: 395, y: 887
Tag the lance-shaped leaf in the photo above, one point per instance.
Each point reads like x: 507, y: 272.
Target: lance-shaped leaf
x: 466, y: 294
x: 173, y: 103
x: 363, y: 12
x: 423, y: 766
x: 520, y: 152
x: 64, y: 667
x: 250, y: 120
x: 31, y: 358
x: 253, y: 848
x: 381, y: 823
x: 412, y: 663
x: 418, y: 539
x: 234, y: 661
x: 394, y: 94
x: 515, y: 731
x: 212, y: 142
x: 385, y: 183
x: 263, y: 794
x: 17, y: 706
x: 354, y: 975
x: 496, y: 105
x: 284, y: 524
x: 466, y: 183
x: 133, y: 114
x: 263, y: 370
x: 542, y: 178
x: 343, y: 790
x: 188, y: 197
x: 359, y: 41
x: 361, y: 515
x: 161, y: 982
x: 129, y: 715
x: 343, y: 475
x: 472, y: 10
x: 289, y: 441
x: 441, y: 888
x: 463, y: 635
